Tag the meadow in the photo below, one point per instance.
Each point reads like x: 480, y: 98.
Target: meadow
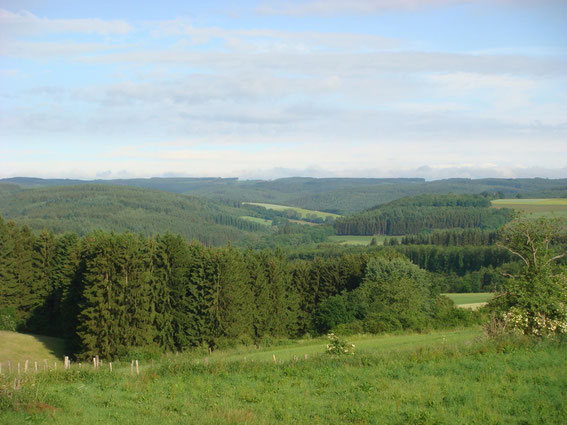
x: 550, y: 207
x: 301, y: 211
x: 470, y: 300
x: 258, y: 220
x: 359, y: 240
x: 450, y: 377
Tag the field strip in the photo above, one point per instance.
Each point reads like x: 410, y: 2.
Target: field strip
x: 301, y: 211
x: 365, y: 343
x: 472, y: 306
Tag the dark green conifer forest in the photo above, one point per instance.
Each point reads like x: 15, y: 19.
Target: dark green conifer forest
x: 107, y: 293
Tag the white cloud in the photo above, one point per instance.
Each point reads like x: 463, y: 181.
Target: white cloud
x: 26, y: 23
x: 334, y: 7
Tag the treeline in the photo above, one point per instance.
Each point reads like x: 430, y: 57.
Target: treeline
x: 455, y: 259
x: 454, y: 237
x: 108, y: 293
x: 414, y: 215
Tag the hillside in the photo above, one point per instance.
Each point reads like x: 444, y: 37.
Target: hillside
x: 82, y: 208
x: 335, y: 195
x: 426, y: 212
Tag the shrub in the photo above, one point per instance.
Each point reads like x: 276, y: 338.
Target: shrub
x: 533, y: 302
x: 339, y: 347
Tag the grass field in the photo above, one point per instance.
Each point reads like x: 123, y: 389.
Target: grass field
x: 472, y: 300
x: 257, y: 220
x: 302, y: 212
x: 479, y: 297
x: 439, y: 378
x: 552, y: 207
x: 358, y: 240
x: 16, y: 347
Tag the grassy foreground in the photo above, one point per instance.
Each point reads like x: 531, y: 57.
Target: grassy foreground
x: 394, y: 380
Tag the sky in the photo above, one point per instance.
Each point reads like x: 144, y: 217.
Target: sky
x: 269, y: 89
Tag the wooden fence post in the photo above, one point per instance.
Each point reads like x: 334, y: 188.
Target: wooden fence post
x: 18, y: 368
x: 110, y: 366
x: 35, y: 364
x: 132, y: 368
x: 26, y: 366
x: 137, y: 368
x: 306, y: 357
x: 274, y: 358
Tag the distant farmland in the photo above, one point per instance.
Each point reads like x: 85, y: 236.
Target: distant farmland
x: 553, y: 207
x: 359, y: 240
x: 301, y: 211
x: 471, y: 300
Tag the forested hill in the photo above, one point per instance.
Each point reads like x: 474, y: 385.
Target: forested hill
x: 426, y: 212
x: 337, y: 195
x: 82, y: 208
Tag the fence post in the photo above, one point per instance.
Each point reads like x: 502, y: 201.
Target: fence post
x: 26, y: 366
x: 94, y: 363
x: 35, y: 364
x: 0, y: 367
x: 110, y: 366
x: 132, y: 368
x: 306, y: 357
x: 137, y: 368
x: 18, y: 368
x: 274, y: 358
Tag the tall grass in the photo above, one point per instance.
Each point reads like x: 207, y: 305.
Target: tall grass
x: 474, y: 381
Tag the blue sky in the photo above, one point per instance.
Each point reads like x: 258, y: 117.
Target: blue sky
x: 374, y: 88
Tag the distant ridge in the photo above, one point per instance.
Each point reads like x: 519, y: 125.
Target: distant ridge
x: 333, y: 195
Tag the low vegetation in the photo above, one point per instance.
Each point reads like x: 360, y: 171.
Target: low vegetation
x: 441, y: 378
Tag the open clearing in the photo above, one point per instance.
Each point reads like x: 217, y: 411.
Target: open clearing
x: 301, y: 211
x: 470, y: 298
x: 359, y: 240
x: 452, y: 377
x: 549, y: 207
x: 257, y: 220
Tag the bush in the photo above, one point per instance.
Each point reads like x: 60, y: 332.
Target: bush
x: 376, y: 323
x: 339, y: 347
x: 8, y: 319
x: 533, y: 302
x: 352, y: 328
x: 139, y: 353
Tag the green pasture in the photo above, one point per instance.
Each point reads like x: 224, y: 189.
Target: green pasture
x: 550, y: 207
x: 257, y: 220
x: 455, y: 377
x: 359, y: 240
x: 472, y: 298
x: 301, y: 211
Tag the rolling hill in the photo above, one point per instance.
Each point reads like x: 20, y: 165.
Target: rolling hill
x: 334, y: 195
x: 82, y: 208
